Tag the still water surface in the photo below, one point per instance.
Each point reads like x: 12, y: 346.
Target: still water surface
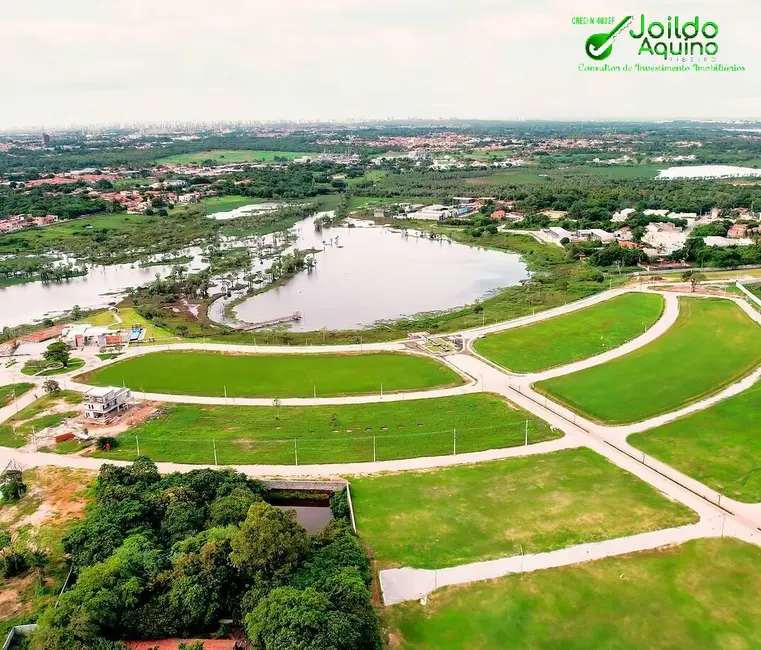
x: 366, y: 274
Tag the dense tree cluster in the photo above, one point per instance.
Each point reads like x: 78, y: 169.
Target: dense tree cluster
x: 167, y: 556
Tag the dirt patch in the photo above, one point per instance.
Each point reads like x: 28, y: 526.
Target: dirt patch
x: 126, y: 420
x: 55, y: 494
x: 12, y: 596
x: 173, y: 644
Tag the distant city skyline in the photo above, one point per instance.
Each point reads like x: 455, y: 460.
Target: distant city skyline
x: 89, y: 62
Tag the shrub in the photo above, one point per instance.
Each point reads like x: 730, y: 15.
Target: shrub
x: 107, y: 443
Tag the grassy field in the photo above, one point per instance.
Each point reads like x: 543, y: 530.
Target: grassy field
x: 230, y: 157
x: 15, y: 431
x: 712, y: 344
x: 284, y: 375
x: 689, y: 596
x: 575, y: 336
x: 344, y: 433
x: 9, y: 391
x: 718, y: 446
x: 456, y: 515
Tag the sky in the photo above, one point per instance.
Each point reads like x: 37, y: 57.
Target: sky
x: 103, y: 61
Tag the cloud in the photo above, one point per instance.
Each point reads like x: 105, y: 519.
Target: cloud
x: 92, y: 61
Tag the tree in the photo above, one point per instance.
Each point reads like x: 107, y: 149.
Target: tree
x: 694, y: 278
x: 58, y: 352
x: 76, y: 312
x: 13, y: 486
x: 293, y: 619
x: 276, y: 403
x: 270, y: 543
x: 51, y: 386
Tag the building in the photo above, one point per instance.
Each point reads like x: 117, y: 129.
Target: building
x: 45, y: 140
x: 655, y: 213
x: 596, y: 233
x: 665, y: 238
x: 82, y: 334
x: 434, y: 213
x: 622, y: 215
x: 498, y: 215
x: 103, y: 402
x: 738, y: 231
x: 623, y: 234
x: 724, y: 242
x: 558, y: 234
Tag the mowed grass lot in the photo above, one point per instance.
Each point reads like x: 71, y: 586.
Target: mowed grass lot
x: 229, y: 157
x: 719, y: 446
x: 712, y: 344
x: 464, y: 514
x: 689, y: 596
x: 331, y: 434
x: 565, y: 339
x: 274, y: 375
x: 11, y: 391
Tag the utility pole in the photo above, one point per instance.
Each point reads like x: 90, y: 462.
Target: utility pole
x: 296, y: 451
x: 526, y: 438
x: 137, y: 442
x: 454, y: 442
x: 373, y: 448
x: 215, y: 452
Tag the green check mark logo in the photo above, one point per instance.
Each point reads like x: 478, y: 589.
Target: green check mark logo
x: 599, y: 46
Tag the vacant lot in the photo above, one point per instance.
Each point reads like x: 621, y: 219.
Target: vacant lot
x: 322, y: 434
x: 479, y: 512
x: 272, y: 375
x: 230, y: 157
x: 568, y: 338
x: 719, y: 446
x: 48, y: 411
x: 55, y: 500
x: 682, y: 597
x: 712, y: 344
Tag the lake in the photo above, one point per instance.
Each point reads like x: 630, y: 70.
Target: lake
x: 367, y: 273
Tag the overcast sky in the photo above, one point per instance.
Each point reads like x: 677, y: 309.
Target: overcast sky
x: 85, y: 61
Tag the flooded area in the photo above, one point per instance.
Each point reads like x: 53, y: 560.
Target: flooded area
x: 362, y: 274
x: 365, y: 274
x: 33, y: 301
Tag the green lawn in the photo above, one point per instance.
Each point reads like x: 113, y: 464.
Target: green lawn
x: 691, y: 596
x: 8, y: 392
x: 568, y: 338
x: 56, y: 369
x: 229, y: 157
x: 712, y: 344
x: 457, y: 515
x: 719, y: 446
x: 265, y: 435
x: 275, y: 375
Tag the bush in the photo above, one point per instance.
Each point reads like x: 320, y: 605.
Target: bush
x: 339, y: 505
x: 107, y: 443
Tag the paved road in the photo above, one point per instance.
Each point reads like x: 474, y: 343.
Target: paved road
x: 41, y: 459
x: 399, y: 585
